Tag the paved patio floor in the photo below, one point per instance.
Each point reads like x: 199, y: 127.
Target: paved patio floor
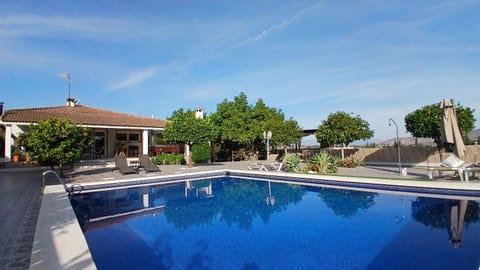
x: 19, y: 206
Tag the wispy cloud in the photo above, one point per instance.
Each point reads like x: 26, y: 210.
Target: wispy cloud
x: 274, y: 28
x: 35, y: 25
x: 133, y: 78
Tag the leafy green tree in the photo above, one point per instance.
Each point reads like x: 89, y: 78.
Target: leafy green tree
x: 56, y: 142
x: 242, y: 124
x: 426, y: 122
x: 286, y: 132
x: 234, y: 121
x: 185, y: 128
x: 342, y: 128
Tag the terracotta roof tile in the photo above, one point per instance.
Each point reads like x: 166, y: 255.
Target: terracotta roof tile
x: 82, y: 115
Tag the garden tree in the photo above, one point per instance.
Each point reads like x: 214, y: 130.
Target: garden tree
x: 285, y: 133
x: 265, y: 118
x: 185, y: 128
x: 56, y: 142
x: 342, y: 128
x: 242, y: 124
x: 233, y: 121
x: 426, y: 122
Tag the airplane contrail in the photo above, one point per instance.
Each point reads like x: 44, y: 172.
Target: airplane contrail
x: 276, y: 27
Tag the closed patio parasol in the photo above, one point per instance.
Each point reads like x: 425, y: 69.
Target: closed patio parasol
x: 457, y: 219
x: 450, y: 131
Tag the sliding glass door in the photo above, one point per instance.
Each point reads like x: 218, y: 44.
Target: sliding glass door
x: 100, y: 139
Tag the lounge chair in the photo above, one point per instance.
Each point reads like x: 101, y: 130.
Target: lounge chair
x: 270, y: 164
x: 121, y: 164
x: 260, y: 165
x: 275, y: 166
x: 147, y: 165
x: 254, y: 166
x: 451, y: 164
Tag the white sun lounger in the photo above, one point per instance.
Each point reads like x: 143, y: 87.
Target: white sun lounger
x: 451, y: 164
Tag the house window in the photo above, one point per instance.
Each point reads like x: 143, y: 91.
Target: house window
x: 128, y: 137
x: 134, y: 137
x: 121, y: 136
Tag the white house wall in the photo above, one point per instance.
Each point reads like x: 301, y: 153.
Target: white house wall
x: 8, y: 141
x: 12, y: 130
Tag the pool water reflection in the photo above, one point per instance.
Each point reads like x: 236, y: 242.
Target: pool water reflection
x: 232, y: 223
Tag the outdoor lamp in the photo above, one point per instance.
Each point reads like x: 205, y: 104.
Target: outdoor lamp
x: 267, y: 135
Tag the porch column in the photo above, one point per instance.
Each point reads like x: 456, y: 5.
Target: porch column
x: 8, y: 141
x: 145, y: 142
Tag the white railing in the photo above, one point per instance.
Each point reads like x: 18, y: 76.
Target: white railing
x: 60, y: 179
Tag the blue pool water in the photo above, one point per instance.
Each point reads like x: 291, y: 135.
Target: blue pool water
x: 231, y: 223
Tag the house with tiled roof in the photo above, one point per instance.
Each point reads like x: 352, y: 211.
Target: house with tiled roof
x: 113, y: 132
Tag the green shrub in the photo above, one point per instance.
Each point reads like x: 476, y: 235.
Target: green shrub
x: 159, y: 139
x: 291, y: 163
x: 168, y: 159
x: 201, y: 152
x: 350, y: 162
x: 56, y: 142
x: 323, y: 163
x: 333, y: 165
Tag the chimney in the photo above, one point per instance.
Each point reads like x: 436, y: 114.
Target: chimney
x: 199, y: 113
x: 1, y: 108
x: 71, y: 102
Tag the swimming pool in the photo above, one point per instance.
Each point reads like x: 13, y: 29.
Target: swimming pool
x: 233, y: 223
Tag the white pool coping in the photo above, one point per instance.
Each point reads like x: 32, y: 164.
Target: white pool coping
x: 60, y: 244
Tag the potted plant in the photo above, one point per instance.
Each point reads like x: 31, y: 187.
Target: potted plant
x: 28, y: 157
x: 21, y: 145
x: 16, y: 154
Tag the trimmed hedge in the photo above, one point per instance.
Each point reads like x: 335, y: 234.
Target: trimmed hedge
x: 168, y: 159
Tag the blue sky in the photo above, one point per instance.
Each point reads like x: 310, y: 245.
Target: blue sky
x: 376, y: 59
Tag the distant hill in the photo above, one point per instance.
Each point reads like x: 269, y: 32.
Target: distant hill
x: 408, y: 141
x: 474, y: 134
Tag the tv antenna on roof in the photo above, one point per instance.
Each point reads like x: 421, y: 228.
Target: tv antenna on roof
x: 67, y: 76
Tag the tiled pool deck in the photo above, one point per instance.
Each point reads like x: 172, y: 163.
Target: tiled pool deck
x: 19, y: 206
x: 20, y: 200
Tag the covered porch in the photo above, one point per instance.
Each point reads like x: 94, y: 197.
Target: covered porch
x: 113, y: 133
x: 109, y: 142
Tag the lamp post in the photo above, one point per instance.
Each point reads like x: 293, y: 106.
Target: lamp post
x: 390, y: 121
x: 399, y: 219
x: 270, y: 200
x: 267, y: 135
